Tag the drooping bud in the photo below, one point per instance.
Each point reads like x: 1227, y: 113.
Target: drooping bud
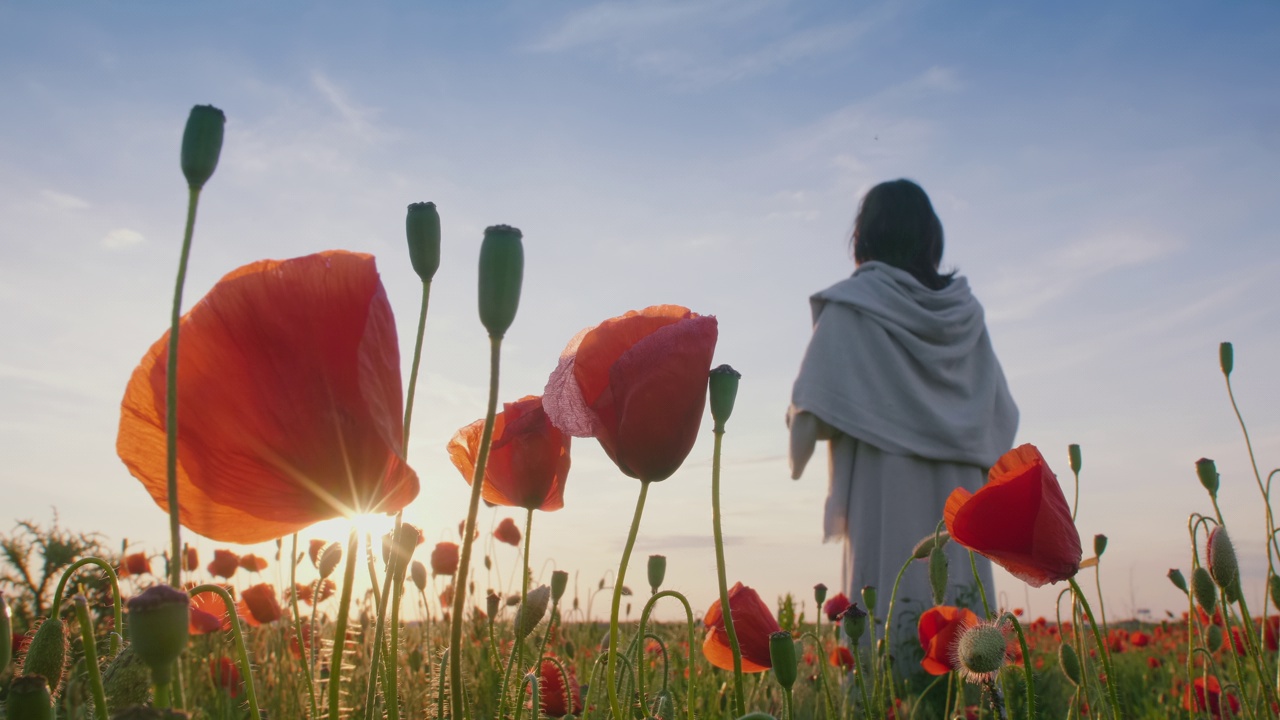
x: 159, y: 628
x: 854, y: 622
x: 492, y: 603
x: 981, y: 651
x: 657, y: 571
x: 6, y: 630
x: 418, y: 572
x: 501, y: 275
x: 329, y: 559
x: 925, y: 546
x: 126, y: 680
x: 202, y: 144
x: 1176, y: 577
x: 1226, y: 358
x: 531, y: 611
x: 29, y: 698
x: 1099, y: 544
x: 1069, y: 662
x: 1221, y: 558
x: 819, y: 594
x: 47, y: 653
x: 1202, y: 587
x: 559, y: 583
x: 782, y: 654
x: 1207, y: 471
x: 422, y: 226
x: 724, y: 390
x: 938, y: 574
x: 1214, y: 636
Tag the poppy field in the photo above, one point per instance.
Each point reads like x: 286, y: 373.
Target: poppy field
x: 278, y: 401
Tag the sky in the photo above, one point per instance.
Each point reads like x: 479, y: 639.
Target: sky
x: 1105, y: 174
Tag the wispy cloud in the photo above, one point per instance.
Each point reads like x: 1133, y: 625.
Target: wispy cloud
x: 122, y: 238
x: 359, y: 120
x: 63, y: 201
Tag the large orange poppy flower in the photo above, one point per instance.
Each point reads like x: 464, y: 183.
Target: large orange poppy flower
x: 528, y: 458
x: 290, y: 404
x: 638, y: 384
x: 939, y: 630
x: 1019, y: 519
x: 752, y: 623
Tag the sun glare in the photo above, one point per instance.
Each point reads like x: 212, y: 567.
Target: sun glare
x: 339, y: 529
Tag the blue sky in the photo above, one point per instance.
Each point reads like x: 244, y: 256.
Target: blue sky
x: 1105, y: 176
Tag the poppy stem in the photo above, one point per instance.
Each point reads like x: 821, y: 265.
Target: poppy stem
x: 297, y: 625
x: 644, y: 619
x: 740, y: 703
x: 340, y: 631
x: 1103, y: 652
x: 171, y: 395
x: 242, y: 654
x: 91, y: 657
x: 464, y: 560
x: 611, y: 673
x: 1026, y: 666
x: 417, y: 361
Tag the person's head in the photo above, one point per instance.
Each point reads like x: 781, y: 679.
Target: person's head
x: 897, y: 225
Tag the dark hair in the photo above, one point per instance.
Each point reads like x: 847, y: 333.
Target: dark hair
x: 897, y: 225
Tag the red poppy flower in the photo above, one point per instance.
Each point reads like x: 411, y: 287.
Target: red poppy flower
x: 296, y: 650
x: 225, y: 563
x: 444, y: 559
x: 1019, y: 519
x: 135, y: 564
x: 1208, y: 696
x: 1271, y: 632
x: 1137, y: 638
x: 225, y: 675
x: 253, y: 563
x: 507, y: 532
x: 258, y: 605
x: 208, y: 614
x: 841, y: 657
x: 836, y: 605
x: 940, y: 629
x: 638, y: 384
x: 752, y: 623
x: 554, y: 692
x: 528, y: 458
x: 290, y: 371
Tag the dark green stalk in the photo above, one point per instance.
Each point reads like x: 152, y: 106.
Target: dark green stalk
x: 612, y: 675
x: 303, y: 653
x: 1103, y: 652
x: 740, y: 702
x: 171, y: 395
x: 91, y: 657
x: 417, y: 360
x: 822, y: 674
x: 340, y: 631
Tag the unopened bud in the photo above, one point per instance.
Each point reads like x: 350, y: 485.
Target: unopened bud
x: 1176, y: 577
x: 202, y: 144
x: 657, y: 571
x: 159, y: 628
x: 422, y: 226
x: 559, y: 583
x: 981, y: 651
x: 782, y: 655
x: 1215, y: 636
x: 1099, y: 544
x: 29, y: 698
x: 418, y: 573
x: 493, y: 603
x: 1073, y: 454
x: 854, y: 622
x: 330, y: 559
x: 1207, y: 471
x: 1069, y: 661
x: 925, y: 546
x: 724, y: 390
x: 47, y: 653
x: 501, y: 274
x: 938, y: 574
x: 1226, y: 358
x: 819, y: 594
x: 869, y: 598
x: 1202, y: 587
x: 1221, y: 557
x: 531, y: 611
x: 126, y: 680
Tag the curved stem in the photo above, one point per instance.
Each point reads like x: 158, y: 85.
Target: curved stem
x: 644, y: 619
x: 822, y: 673
x: 740, y: 702
x: 117, y: 609
x: 91, y: 657
x: 1103, y: 651
x: 464, y: 560
x: 982, y: 590
x: 340, y: 631
x: 246, y: 672
x: 612, y: 673
x: 171, y: 395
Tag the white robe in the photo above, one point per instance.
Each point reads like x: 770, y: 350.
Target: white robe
x: 908, y: 379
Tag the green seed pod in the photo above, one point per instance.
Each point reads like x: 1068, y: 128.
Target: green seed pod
x: 1221, y: 558
x: 1226, y: 358
x: 1073, y: 453
x: 501, y: 274
x: 492, y: 603
x: 1273, y: 589
x: 925, y: 546
x: 1214, y: 637
x: 819, y: 595
x: 126, y: 681
x: 29, y: 699
x: 1099, y: 544
x: 854, y: 623
x: 422, y: 227
x: 559, y: 583
x: 657, y: 571
x: 938, y: 574
x: 869, y: 598
x: 1070, y: 663
x: 47, y: 653
x: 1207, y: 471
x: 569, y: 649
x: 6, y: 630
x: 1176, y: 577
x: 981, y: 651
x: 531, y: 611
x: 1202, y: 587
x: 724, y: 390
x: 158, y: 628
x: 202, y: 144
x: 782, y: 654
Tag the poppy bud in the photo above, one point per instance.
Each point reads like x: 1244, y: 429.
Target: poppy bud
x: 1214, y: 637
x: 1069, y: 662
x: 493, y: 604
x: 422, y: 226
x: 981, y: 651
x: 925, y: 546
x: 1226, y: 358
x: 159, y: 628
x: 782, y: 653
x: 330, y: 559
x: 657, y: 571
x: 1176, y: 577
x: 531, y: 611
x: 1207, y: 471
x: 1273, y: 589
x: 29, y: 698
x: 938, y: 574
x: 1202, y: 588
x: 724, y: 390
x: 854, y: 622
x: 1073, y: 452
x: 501, y: 273
x: 869, y: 598
x: 418, y: 572
x: 1099, y: 544
x: 202, y: 144
x: 1222, y: 559
x: 819, y: 594
x: 126, y: 680
x: 559, y: 581
x: 6, y: 631
x: 47, y: 653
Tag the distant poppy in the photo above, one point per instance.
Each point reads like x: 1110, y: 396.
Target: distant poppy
x: 297, y: 650
x: 208, y: 614
x: 841, y: 657
x: 258, y: 605
x: 444, y: 559
x: 225, y: 675
x: 753, y: 623
x: 939, y: 629
x: 305, y: 592
x: 1137, y: 638
x: 836, y: 605
x: 1154, y: 662
x: 190, y: 559
x: 135, y: 564
x: 638, y: 384
x: 1019, y: 519
x: 528, y: 457
x: 446, y: 596
x: 507, y: 532
x: 292, y: 371
x: 253, y: 563
x: 1207, y: 695
x: 556, y: 695
x: 225, y: 563
x: 1271, y: 632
